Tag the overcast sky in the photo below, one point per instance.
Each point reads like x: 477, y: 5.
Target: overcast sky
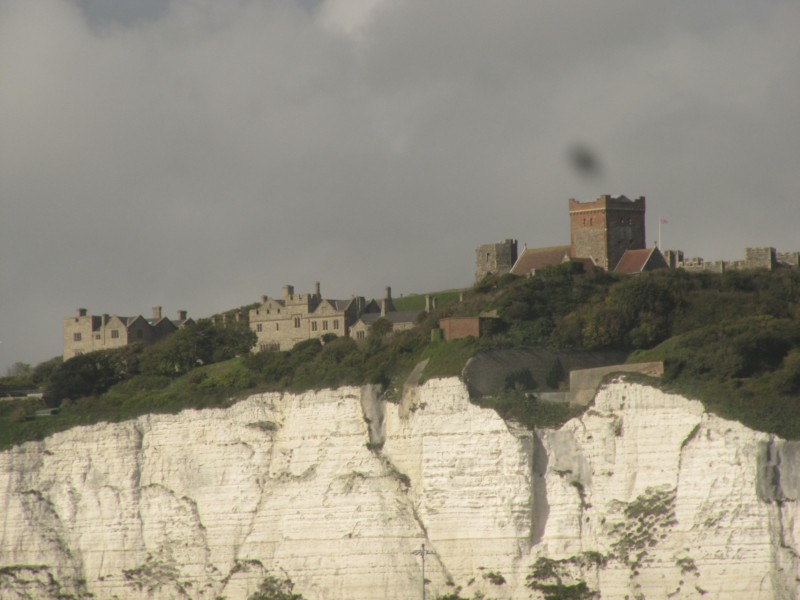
x: 197, y: 154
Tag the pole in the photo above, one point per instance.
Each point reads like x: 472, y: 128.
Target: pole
x: 659, y: 231
x: 422, y: 551
x: 423, y: 571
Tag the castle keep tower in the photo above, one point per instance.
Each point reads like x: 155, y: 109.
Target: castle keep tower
x: 495, y: 258
x: 605, y: 228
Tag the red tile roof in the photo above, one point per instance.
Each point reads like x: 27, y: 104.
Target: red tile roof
x: 532, y: 259
x: 643, y: 259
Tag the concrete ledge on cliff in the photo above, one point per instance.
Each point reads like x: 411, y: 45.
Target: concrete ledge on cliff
x: 583, y: 383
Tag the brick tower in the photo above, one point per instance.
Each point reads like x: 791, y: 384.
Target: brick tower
x: 604, y: 228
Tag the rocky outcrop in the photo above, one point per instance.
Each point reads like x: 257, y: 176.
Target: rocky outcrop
x: 645, y: 495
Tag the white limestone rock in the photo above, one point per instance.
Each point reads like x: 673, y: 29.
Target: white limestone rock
x: 645, y: 495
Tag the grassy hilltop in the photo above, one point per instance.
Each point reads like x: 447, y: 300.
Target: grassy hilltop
x: 731, y: 340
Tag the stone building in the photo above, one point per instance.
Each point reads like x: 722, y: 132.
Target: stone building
x: 495, y: 258
x: 280, y: 323
x: 86, y: 333
x: 605, y: 228
x: 601, y: 231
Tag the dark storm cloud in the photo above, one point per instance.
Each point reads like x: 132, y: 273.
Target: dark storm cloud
x: 197, y: 154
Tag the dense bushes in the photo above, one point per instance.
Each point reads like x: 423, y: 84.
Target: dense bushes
x: 748, y: 370
x: 732, y: 340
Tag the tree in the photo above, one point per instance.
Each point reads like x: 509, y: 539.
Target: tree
x: 520, y: 380
x: 19, y: 369
x: 274, y: 588
x: 91, y: 374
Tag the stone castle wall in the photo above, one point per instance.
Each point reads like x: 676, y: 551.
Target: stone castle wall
x: 495, y: 258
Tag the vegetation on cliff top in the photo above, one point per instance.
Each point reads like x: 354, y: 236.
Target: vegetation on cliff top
x: 731, y: 340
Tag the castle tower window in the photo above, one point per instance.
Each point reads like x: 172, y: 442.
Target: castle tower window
x: 297, y: 321
x: 277, y: 326
x: 76, y: 337
x: 259, y: 327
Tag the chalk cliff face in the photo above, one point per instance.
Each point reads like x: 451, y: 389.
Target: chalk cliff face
x: 645, y: 495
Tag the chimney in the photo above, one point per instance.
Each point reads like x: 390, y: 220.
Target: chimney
x: 182, y: 315
x: 81, y: 312
x: 288, y: 292
x: 316, y: 291
x: 105, y: 319
x: 388, y: 294
x: 156, y: 312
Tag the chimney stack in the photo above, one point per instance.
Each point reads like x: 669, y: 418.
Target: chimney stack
x: 317, y: 292
x: 388, y: 294
x: 105, y: 318
x: 182, y: 315
x: 288, y: 292
x: 156, y: 312
x: 81, y: 312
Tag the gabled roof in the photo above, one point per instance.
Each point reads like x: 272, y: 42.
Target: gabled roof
x: 394, y: 317
x: 532, y: 259
x: 639, y: 260
x: 336, y: 305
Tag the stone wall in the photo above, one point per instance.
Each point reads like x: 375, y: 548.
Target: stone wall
x: 495, y: 258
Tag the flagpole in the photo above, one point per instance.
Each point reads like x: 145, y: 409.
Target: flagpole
x: 659, y: 231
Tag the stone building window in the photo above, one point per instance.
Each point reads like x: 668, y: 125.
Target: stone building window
x: 277, y: 326
x: 115, y: 333
x: 97, y: 336
x: 313, y: 325
x: 336, y: 323
x: 297, y: 321
x: 359, y: 335
x: 76, y: 337
x: 259, y: 327
x: 324, y: 325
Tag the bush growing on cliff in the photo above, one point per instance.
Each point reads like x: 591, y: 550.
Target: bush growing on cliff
x: 275, y: 588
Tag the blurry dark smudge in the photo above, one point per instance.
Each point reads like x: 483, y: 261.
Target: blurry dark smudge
x: 584, y: 161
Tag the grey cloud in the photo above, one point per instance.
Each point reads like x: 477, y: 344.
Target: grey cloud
x: 197, y: 154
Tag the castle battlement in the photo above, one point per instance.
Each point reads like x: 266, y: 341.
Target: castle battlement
x: 607, y: 202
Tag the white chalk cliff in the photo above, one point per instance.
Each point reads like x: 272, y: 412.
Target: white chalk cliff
x: 645, y: 495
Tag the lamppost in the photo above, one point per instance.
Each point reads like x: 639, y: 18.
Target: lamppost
x: 422, y: 552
